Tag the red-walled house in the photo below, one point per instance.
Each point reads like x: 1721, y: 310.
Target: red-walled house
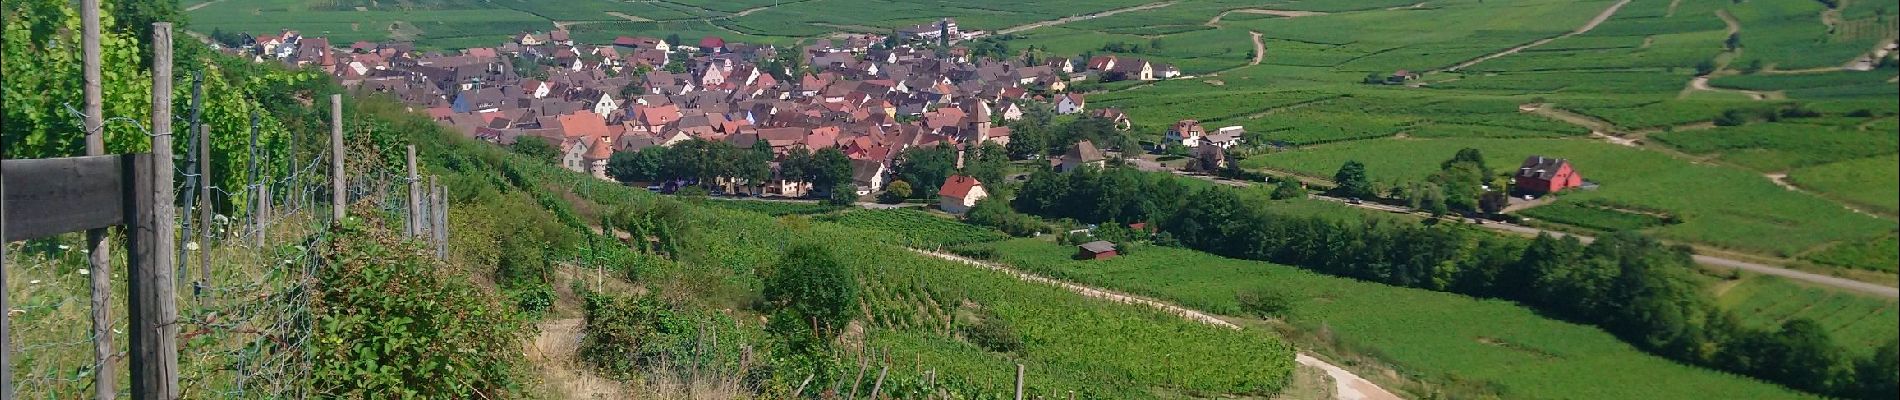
x: 1096, y: 250
x: 1541, y: 175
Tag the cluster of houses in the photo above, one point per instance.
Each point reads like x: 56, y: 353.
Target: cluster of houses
x: 592, y: 100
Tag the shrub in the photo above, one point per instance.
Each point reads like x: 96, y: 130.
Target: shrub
x: 1264, y: 303
x: 388, y: 323
x: 992, y: 333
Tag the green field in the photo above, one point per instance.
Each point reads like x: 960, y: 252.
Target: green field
x: 1859, y: 322
x: 1872, y: 182
x: 1437, y: 336
x: 917, y: 228
x: 1721, y: 206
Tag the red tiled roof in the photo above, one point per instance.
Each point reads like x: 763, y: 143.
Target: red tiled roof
x: 600, y: 149
x: 958, y: 186
x: 583, y: 123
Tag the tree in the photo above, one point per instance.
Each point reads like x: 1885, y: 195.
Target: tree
x: 1493, y: 202
x: 1289, y: 189
x: 928, y: 167
x: 1878, y: 376
x: 631, y: 166
x: 1704, y: 67
x: 896, y: 192
x: 1352, y: 182
x: 987, y: 163
x: 843, y: 194
x: 536, y: 147
x: 829, y: 167
x: 810, y: 287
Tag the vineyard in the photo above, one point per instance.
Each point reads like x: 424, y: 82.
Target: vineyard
x: 917, y: 228
x: 1863, y: 323
x: 922, y: 314
x: 1451, y: 341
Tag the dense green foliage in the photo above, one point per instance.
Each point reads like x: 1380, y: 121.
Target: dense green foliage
x: 391, y: 321
x: 43, y: 92
x: 812, y: 296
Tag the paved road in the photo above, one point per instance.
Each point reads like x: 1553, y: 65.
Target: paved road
x: 1349, y: 386
x: 1838, y: 282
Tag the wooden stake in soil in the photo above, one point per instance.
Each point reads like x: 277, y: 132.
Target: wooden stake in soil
x: 154, y: 304
x: 99, y: 257
x: 339, y: 193
x: 415, y: 196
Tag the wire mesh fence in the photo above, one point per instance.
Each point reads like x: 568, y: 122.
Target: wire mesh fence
x: 244, y: 280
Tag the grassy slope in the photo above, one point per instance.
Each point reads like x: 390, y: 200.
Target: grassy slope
x: 1095, y: 348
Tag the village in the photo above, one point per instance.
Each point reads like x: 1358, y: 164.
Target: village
x: 872, y: 97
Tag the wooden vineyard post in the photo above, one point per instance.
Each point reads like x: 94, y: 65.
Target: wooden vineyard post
x: 154, y: 345
x: 879, y: 386
x: 262, y: 212
x: 204, y: 208
x: 99, y: 257
x: 339, y: 192
x: 442, y: 222
x: 415, y: 196
x: 6, y: 316
x: 1019, y: 382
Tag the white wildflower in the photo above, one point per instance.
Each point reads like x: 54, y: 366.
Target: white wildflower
x: 116, y: 331
x: 191, y: 246
x: 34, y: 282
x: 85, y: 272
x: 65, y: 247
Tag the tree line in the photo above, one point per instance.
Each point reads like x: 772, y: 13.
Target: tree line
x: 1632, y: 286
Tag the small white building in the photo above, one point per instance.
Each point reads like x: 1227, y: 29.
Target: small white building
x: 959, y: 193
x: 1070, y: 103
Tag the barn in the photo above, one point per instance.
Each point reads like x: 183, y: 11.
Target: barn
x: 1096, y: 250
x: 1542, y: 175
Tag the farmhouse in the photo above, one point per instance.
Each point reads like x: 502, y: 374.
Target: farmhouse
x: 1399, y: 77
x: 931, y: 31
x: 1115, y: 116
x: 959, y: 193
x: 1541, y: 175
x: 1083, y: 154
x: 1096, y: 250
x: 1226, y: 137
x: 1071, y: 103
x: 1185, y: 132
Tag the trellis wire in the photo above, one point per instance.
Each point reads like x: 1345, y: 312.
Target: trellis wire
x: 246, y: 332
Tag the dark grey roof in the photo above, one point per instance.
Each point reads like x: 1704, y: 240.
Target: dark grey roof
x: 1099, y: 246
x: 1540, y: 167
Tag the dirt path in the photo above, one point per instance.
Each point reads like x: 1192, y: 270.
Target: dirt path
x: 1587, y: 26
x: 1278, y: 13
x: 555, y: 353
x: 628, y: 17
x: 1414, y: 6
x: 195, y: 7
x: 1672, y: 8
x: 1060, y: 21
x: 1349, y: 386
x: 1701, y: 83
x: 1259, y: 48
